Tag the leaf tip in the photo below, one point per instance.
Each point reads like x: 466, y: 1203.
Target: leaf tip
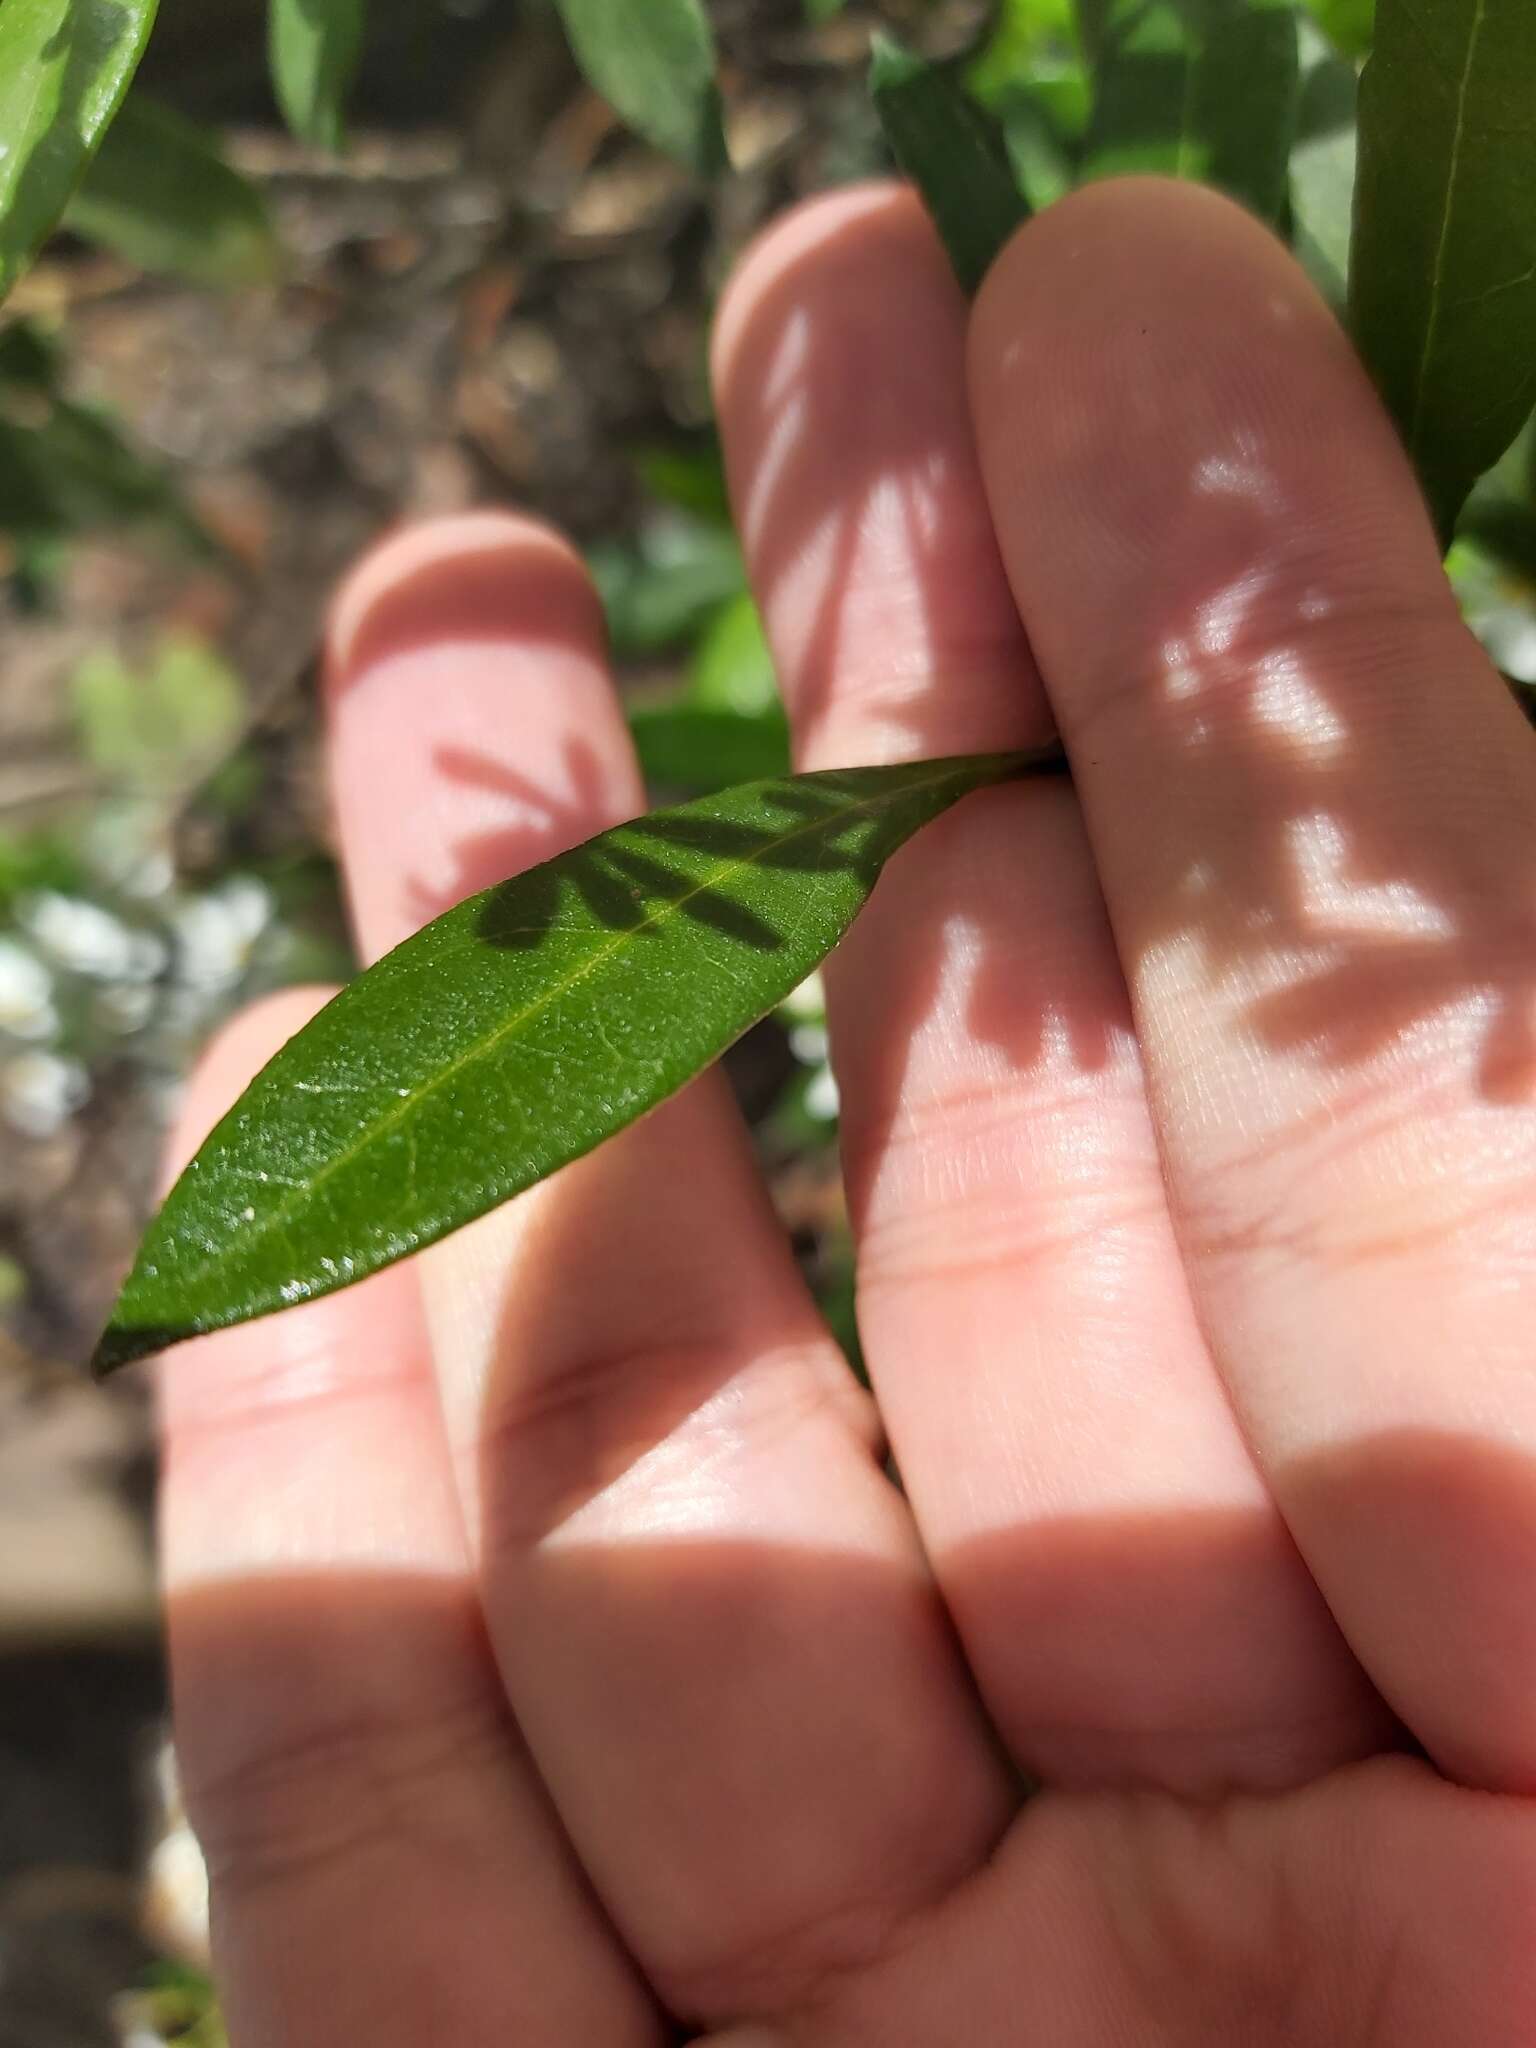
x: 125, y: 1342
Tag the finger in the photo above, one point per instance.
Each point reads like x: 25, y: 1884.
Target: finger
x: 706, y: 1599
x: 385, y: 1867
x: 1127, y: 1596
x: 1314, y: 810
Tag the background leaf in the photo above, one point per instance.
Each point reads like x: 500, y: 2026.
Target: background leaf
x: 1203, y: 89
x: 1323, y: 166
x: 313, y: 47
x: 65, y: 468
x: 655, y: 64
x: 691, y: 747
x: 64, y: 67
x: 156, y: 728
x: 729, y: 724
x: 516, y: 1033
x: 953, y: 152
x: 161, y: 195
x: 1348, y: 24
x: 665, y: 589
x: 1443, y: 270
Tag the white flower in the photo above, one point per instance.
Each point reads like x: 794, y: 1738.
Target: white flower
x: 40, y: 1092
x: 216, y: 934
x: 80, y: 936
x: 808, y: 1043
x: 821, y: 1097
x: 126, y: 1008
x: 807, y: 1004
x: 26, y: 994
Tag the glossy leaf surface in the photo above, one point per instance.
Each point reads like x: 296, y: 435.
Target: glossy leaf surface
x: 955, y: 154
x: 516, y: 1033
x: 64, y: 67
x: 1203, y: 89
x: 312, y: 48
x: 1443, y: 268
x: 654, y: 63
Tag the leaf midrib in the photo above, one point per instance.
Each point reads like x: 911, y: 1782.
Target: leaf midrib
x: 279, y: 1217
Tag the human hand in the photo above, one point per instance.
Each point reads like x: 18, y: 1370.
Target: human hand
x: 554, y: 1662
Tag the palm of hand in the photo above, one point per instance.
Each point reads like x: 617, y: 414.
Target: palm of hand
x: 555, y: 1661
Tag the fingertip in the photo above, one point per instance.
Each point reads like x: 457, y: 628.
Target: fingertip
x: 1166, y: 407
x: 473, y: 576
x: 818, y: 239
x: 1124, y: 264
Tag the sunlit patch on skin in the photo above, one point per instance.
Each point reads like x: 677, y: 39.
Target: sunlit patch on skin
x: 930, y: 490
x: 1239, y: 474
x: 797, y: 600
x: 1180, y: 676
x: 1285, y: 699
x: 1220, y: 619
x: 786, y: 396
x: 736, y: 1466
x: 1342, y: 907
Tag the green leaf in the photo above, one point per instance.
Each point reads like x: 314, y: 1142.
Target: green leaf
x: 1203, y: 89
x: 732, y: 667
x: 154, y: 731
x: 29, y: 359
x: 312, y: 49
x: 954, y: 153
x: 1500, y: 513
x: 1029, y: 40
x: 162, y: 195
x: 65, y: 468
x: 692, y: 747
x: 64, y: 67
x: 689, y: 474
x: 515, y: 1034
x: 1443, y: 272
x: 660, y: 595
x: 655, y: 65
x: 1348, y: 24
x: 1323, y: 167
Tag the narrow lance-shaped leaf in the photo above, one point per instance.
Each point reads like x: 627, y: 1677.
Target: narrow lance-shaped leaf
x: 64, y: 67
x: 1202, y: 89
x: 654, y: 62
x: 312, y: 49
x: 161, y: 194
x: 516, y: 1033
x: 1443, y: 266
x: 954, y: 152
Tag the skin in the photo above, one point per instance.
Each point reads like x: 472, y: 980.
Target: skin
x: 554, y: 1662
